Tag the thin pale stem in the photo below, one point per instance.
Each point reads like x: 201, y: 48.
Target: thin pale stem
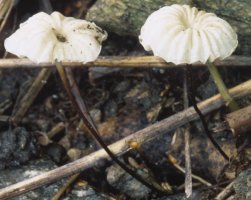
x: 230, y: 102
x: 188, y: 169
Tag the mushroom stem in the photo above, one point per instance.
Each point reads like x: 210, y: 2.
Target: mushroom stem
x: 230, y: 102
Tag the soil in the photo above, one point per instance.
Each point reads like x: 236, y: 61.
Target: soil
x: 121, y: 101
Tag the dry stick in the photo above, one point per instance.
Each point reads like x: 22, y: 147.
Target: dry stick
x: 62, y: 190
x: 121, y: 146
x: 125, y: 62
x: 31, y: 94
x: 5, y: 10
x: 240, y: 121
x: 225, y: 192
x: 56, y: 129
x: 174, y: 162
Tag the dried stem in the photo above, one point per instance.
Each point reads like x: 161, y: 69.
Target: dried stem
x: 62, y: 190
x: 227, y: 191
x: 121, y: 146
x: 181, y: 169
x: 30, y: 95
x: 125, y: 62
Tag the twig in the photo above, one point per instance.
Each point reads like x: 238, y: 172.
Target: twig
x: 31, y: 94
x: 56, y: 129
x: 5, y: 10
x: 225, y: 192
x: 240, y: 121
x: 125, y: 62
x: 62, y: 190
x: 121, y: 146
x: 4, y: 118
x: 181, y: 169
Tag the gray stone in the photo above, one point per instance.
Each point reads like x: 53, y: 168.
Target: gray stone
x: 242, y: 185
x: 125, y: 183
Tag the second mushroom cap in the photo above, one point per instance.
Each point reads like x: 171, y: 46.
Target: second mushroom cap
x: 181, y: 34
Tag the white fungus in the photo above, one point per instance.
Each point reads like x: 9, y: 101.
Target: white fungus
x: 47, y: 38
x: 181, y: 34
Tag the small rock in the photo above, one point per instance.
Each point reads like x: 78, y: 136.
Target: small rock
x: 125, y: 183
x: 242, y: 185
x: 37, y: 167
x: 16, y: 147
x: 56, y: 152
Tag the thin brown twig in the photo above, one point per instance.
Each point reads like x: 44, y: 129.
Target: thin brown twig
x: 30, y: 95
x: 5, y: 10
x: 121, y: 146
x: 125, y: 62
x: 181, y: 169
x: 63, y: 189
x: 225, y: 192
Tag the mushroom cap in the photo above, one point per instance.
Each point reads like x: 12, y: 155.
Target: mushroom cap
x: 47, y: 38
x: 183, y: 35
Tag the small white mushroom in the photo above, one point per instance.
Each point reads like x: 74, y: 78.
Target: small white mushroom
x: 47, y: 38
x: 181, y: 34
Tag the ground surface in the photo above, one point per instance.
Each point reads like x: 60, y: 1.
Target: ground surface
x: 121, y: 101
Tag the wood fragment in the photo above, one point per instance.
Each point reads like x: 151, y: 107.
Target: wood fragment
x: 5, y: 10
x: 181, y: 169
x: 56, y: 129
x: 226, y: 192
x: 169, y: 124
x: 240, y: 121
x: 66, y: 186
x: 124, y: 62
x: 4, y: 118
x: 30, y: 96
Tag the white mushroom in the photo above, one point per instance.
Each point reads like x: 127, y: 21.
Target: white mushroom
x: 47, y: 38
x: 181, y: 34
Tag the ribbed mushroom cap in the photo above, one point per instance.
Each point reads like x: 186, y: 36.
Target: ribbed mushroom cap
x: 181, y: 34
x: 46, y: 38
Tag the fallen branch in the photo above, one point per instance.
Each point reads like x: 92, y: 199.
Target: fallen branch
x: 125, y: 62
x: 121, y: 146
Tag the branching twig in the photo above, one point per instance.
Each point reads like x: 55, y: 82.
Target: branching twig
x: 121, y: 146
x: 181, y: 169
